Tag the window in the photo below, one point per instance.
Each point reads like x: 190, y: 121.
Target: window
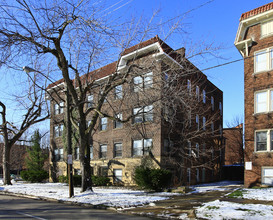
x: 197, y: 149
x: 58, y: 130
x: 263, y: 60
x: 197, y: 175
x: 118, y: 124
x: 90, y: 100
x: 148, y: 80
x: 204, y: 96
x: 189, y: 86
x: 189, y: 175
x: 118, y: 92
x: 103, y: 124
x: 212, y: 103
x: 91, y: 152
x: 117, y: 175
x: 264, y: 140
x: 264, y: 101
x: 143, y: 82
x: 143, y: 114
x: 103, y: 151
x: 103, y: 171
x: 197, y: 121
x: 266, y: 28
x: 198, y: 93
x: 189, y: 148
x: 58, y: 154
x: 204, y: 123
x: 212, y: 127
x: 59, y: 108
x: 142, y: 147
x: 118, y: 150
x: 77, y: 153
x: 220, y: 108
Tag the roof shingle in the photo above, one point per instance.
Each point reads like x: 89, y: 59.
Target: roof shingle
x: 257, y: 11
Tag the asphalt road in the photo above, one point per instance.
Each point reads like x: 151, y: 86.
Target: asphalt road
x: 23, y: 208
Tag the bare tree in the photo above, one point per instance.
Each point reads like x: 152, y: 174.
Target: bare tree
x: 74, y: 39
x: 33, y: 110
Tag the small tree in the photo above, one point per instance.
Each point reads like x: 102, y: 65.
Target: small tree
x: 35, y: 161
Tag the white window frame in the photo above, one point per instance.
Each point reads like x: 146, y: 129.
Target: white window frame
x: 269, y: 137
x: 268, y: 53
x: 268, y: 102
x: 117, y: 175
x: 266, y: 28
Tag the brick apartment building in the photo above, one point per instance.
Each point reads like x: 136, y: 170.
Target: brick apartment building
x: 254, y: 40
x: 155, y: 128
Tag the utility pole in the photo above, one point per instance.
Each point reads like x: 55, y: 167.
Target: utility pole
x: 69, y: 144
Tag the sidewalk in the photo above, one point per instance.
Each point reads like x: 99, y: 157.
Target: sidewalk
x: 181, y: 207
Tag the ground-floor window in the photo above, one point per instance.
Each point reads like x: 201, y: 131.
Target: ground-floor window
x: 264, y: 140
x: 267, y: 176
x: 117, y: 175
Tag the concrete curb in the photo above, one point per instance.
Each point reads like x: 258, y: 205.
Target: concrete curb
x: 101, y: 207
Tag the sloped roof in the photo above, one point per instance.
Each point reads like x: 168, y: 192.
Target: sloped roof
x: 111, y: 68
x: 257, y: 11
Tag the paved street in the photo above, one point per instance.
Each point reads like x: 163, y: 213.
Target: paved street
x: 17, y: 208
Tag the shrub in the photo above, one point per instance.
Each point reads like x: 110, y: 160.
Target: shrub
x: 34, y: 175
x: 77, y: 180
x: 63, y: 179
x: 100, y: 180
x: 152, y: 179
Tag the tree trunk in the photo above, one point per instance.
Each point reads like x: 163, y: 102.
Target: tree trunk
x: 85, y: 166
x: 6, y: 165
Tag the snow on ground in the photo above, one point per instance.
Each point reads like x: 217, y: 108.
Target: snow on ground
x: 229, y: 210
x: 114, y: 197
x: 258, y: 194
x: 126, y: 198
x: 218, y: 186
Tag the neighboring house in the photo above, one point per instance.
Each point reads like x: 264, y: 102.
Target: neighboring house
x: 254, y: 40
x: 119, y: 147
x: 17, y: 158
x: 233, y: 166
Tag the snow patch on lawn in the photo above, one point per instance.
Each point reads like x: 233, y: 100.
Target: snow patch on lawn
x: 258, y: 194
x: 114, y: 197
x: 229, y: 210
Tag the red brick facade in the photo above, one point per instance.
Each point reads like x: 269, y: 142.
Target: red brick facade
x: 249, y: 42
